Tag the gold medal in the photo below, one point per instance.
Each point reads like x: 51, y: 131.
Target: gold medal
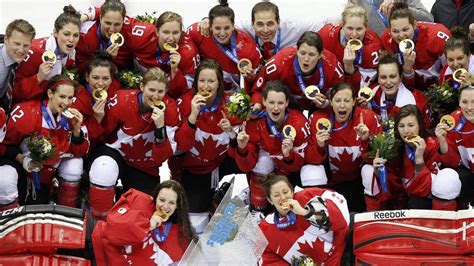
x: 164, y: 216
x: 366, y: 93
x: 448, y: 120
x: 204, y: 93
x: 458, y: 74
x: 289, y: 132
x: 412, y: 138
x: 406, y: 44
x: 170, y: 46
x: 67, y: 113
x: 285, y: 205
x: 117, y: 38
x: 49, y: 56
x: 323, y: 124
x: 159, y: 104
x: 354, y: 44
x: 311, y: 92
x: 99, y: 94
x: 244, y: 64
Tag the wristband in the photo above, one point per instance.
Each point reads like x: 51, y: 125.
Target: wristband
x: 160, y: 134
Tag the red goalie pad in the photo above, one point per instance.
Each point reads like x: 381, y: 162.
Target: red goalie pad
x: 41, y: 229
x: 425, y: 260
x: 414, y: 232
x: 43, y: 260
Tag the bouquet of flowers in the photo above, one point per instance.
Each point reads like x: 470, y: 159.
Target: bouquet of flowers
x: 302, y: 261
x: 443, y: 99
x: 239, y: 105
x: 150, y: 18
x: 130, y: 79
x: 389, y: 126
x: 71, y: 73
x: 41, y: 150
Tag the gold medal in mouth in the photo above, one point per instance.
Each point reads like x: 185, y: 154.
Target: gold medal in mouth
x: 405, y: 45
x: 449, y: 121
x: 159, y: 104
x: 164, y: 216
x: 170, y: 46
x: 49, y: 56
x: 354, y: 44
x: 311, y: 92
x: 458, y: 74
x: 117, y: 38
x: 411, y: 138
x: 289, y: 132
x: 323, y: 124
x: 204, y: 93
x: 99, y: 94
x: 244, y: 65
x: 285, y: 205
x: 365, y: 92
x: 67, y: 113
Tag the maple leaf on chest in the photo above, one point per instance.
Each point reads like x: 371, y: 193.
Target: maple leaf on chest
x: 138, y: 149
x: 344, y: 159
x: 208, y: 146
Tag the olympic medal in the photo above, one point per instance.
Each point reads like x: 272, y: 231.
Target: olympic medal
x: 448, y: 120
x: 289, y: 132
x: 366, y: 93
x: 67, y: 113
x: 99, y: 94
x: 161, y: 214
x: 323, y: 124
x: 204, y: 93
x: 49, y: 56
x: 354, y: 44
x: 406, y: 44
x: 285, y: 205
x: 244, y: 64
x: 170, y: 46
x: 117, y: 38
x: 311, y: 92
x: 458, y: 74
x: 159, y: 104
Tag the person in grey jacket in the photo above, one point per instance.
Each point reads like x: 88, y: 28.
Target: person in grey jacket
x: 379, y: 10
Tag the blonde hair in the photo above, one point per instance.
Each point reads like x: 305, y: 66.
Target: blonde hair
x: 154, y: 73
x: 168, y: 16
x: 352, y: 10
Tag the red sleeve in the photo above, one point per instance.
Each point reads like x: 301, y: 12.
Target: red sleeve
x: 24, y: 119
x: 271, y: 258
x: 334, y: 70
x: 437, y: 37
x: 26, y: 86
x: 374, y: 125
x: 194, y: 34
x: 314, y: 154
x: 79, y: 150
x: 272, y: 71
x: 112, y: 119
x: 451, y: 158
x: 247, y: 158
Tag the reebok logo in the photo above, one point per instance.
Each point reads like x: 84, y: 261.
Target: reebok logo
x: 389, y: 215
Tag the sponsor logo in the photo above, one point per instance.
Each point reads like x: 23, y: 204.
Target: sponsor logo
x: 12, y: 211
x: 389, y: 215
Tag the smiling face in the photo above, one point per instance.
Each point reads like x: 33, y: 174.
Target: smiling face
x: 152, y: 90
x: 265, y: 25
x: 408, y: 126
x: 99, y: 78
x: 342, y: 103
x: 466, y: 103
x: 354, y: 28
x: 222, y: 29
x: 401, y: 29
x: 67, y: 38
x: 276, y: 104
x: 308, y: 57
x: 456, y: 59
x: 280, y: 192
x: 169, y: 32
x: 17, y: 45
x: 167, y: 201
x: 60, y: 98
x: 111, y: 22
x: 208, y: 82
x: 389, y: 79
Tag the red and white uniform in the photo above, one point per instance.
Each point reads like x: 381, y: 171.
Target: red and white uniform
x: 205, y: 145
x: 263, y: 144
x: 208, y: 49
x: 404, y: 97
x: 461, y: 144
x: 26, y: 86
x: 344, y: 149
x: 447, y: 72
x: 3, y: 124
x: 83, y: 102
x: 371, y: 45
x: 146, y: 52
x: 27, y: 119
x: 131, y: 132
x: 125, y: 238
x: 305, y: 239
x: 280, y: 67
x: 429, y: 49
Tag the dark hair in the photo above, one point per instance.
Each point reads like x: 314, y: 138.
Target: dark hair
x: 277, y: 86
x: 59, y: 80
x: 269, y: 180
x: 387, y: 58
x: 181, y: 214
x: 400, y: 10
x: 407, y: 110
x: 69, y: 15
x: 266, y: 6
x: 168, y: 16
x: 221, y: 10
x: 114, y: 6
x: 341, y: 86
x: 458, y: 40
x: 102, y: 59
x: 210, y: 64
x: 311, y: 38
x: 21, y: 26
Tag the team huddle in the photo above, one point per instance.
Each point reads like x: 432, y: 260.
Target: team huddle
x: 360, y: 121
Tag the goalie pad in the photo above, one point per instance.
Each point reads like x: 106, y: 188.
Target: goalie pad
x: 41, y: 229
x: 386, y: 259
x: 42, y: 259
x: 414, y: 232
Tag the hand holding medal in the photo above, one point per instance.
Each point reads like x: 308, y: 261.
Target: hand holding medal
x: 117, y: 38
x: 50, y: 57
x: 323, y: 127
x: 245, y: 66
x: 449, y: 121
x: 311, y: 92
x: 289, y: 132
